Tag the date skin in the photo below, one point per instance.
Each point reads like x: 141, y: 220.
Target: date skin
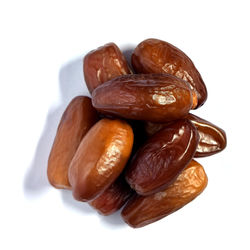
x: 157, y: 56
x: 113, y: 198
x: 212, y: 138
x: 103, y: 64
x: 100, y: 158
x: 143, y: 210
x: 162, y: 158
x: 150, y: 97
x: 76, y: 120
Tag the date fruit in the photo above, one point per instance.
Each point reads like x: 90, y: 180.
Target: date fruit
x: 157, y: 56
x: 212, y: 138
x: 113, y: 198
x: 162, y: 158
x: 150, y: 97
x: 143, y: 210
x: 100, y: 158
x: 103, y: 64
x: 77, y: 119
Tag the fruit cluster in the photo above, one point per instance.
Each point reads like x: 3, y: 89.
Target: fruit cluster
x: 134, y: 142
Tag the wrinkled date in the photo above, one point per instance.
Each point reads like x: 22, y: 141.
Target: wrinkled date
x: 212, y: 139
x: 151, y: 97
x: 143, y: 210
x: 113, y: 198
x: 100, y: 158
x: 162, y: 158
x: 156, y: 56
x: 77, y: 119
x: 103, y: 64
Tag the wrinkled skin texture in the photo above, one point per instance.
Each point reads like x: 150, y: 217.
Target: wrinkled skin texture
x: 100, y: 158
x: 156, y: 56
x: 151, y: 97
x: 212, y: 138
x: 143, y: 210
x: 161, y: 159
x: 113, y: 198
x: 77, y: 119
x: 104, y: 64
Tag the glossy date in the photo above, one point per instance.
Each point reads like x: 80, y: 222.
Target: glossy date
x: 157, y: 56
x: 143, y: 210
x: 161, y: 159
x: 212, y: 139
x: 150, y: 97
x: 76, y: 120
x: 103, y: 64
x: 100, y: 158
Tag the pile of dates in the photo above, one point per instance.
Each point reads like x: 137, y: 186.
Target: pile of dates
x: 134, y: 141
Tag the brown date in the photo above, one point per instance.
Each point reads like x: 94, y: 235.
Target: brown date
x: 143, y: 210
x: 156, y: 56
x: 77, y: 119
x: 150, y: 97
x: 103, y: 64
x: 100, y: 158
x: 113, y: 198
x: 212, y: 138
x: 161, y: 159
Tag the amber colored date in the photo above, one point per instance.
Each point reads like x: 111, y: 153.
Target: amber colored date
x: 77, y: 119
x: 103, y: 64
x: 157, y: 56
x: 113, y: 198
x: 143, y: 210
x: 161, y: 159
x: 100, y: 158
x: 150, y: 97
x: 212, y: 138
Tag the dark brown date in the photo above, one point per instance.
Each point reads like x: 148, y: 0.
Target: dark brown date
x: 212, y: 138
x: 156, y: 56
x: 103, y: 64
x: 113, y: 198
x: 150, y: 97
x: 100, y: 158
x: 161, y: 159
x: 77, y: 119
x: 143, y: 210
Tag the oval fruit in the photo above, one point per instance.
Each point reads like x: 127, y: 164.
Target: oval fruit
x: 157, y: 56
x: 113, y: 198
x: 77, y: 119
x: 151, y: 97
x: 143, y: 210
x: 161, y: 159
x: 103, y: 64
x: 100, y: 158
x: 212, y: 138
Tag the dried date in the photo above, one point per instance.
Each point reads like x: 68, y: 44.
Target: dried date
x: 103, y: 64
x: 100, y: 158
x: 143, y: 210
x: 150, y: 97
x: 161, y: 159
x: 157, y: 56
x: 212, y: 138
x: 77, y: 119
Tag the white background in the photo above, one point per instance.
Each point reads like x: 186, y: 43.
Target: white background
x: 41, y: 49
